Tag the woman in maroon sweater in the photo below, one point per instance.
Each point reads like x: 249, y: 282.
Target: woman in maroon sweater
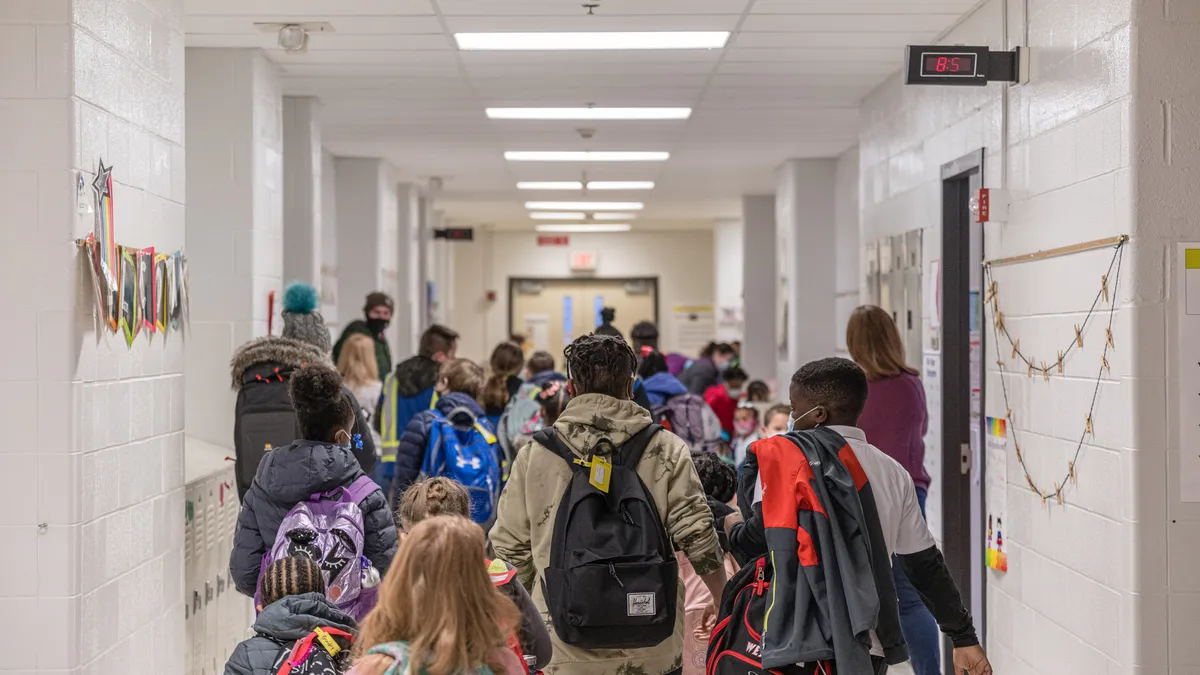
x: 895, y: 420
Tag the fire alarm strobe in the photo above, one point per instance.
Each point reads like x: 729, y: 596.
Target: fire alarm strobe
x: 962, y: 66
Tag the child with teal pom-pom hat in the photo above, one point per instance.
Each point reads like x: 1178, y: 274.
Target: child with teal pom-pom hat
x: 301, y: 320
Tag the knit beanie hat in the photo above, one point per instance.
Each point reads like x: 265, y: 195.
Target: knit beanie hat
x: 301, y: 320
x: 378, y: 299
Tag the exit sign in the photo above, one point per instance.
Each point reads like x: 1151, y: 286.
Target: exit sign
x: 553, y: 240
x: 583, y: 261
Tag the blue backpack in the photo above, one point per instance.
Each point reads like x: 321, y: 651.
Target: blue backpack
x: 465, y: 451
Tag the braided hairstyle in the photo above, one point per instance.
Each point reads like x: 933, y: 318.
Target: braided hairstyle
x: 322, y: 407
x: 294, y: 575
x: 431, y: 497
x: 601, y: 364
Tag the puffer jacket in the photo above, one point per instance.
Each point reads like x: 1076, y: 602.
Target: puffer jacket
x: 411, y: 453
x: 280, y: 625
x: 525, y: 525
x: 288, y: 476
x: 662, y: 386
x: 406, y: 392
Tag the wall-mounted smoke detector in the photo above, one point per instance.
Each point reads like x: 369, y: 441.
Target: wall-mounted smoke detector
x: 293, y: 37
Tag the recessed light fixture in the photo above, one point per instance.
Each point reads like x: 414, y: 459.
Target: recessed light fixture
x: 589, y: 113
x: 621, y: 185
x: 592, y: 41
x: 584, y: 156
x: 550, y: 185
x: 585, y: 206
x: 551, y: 215
x: 578, y: 228
x: 614, y: 216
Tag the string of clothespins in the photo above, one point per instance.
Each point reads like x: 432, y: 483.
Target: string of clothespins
x: 1043, y: 368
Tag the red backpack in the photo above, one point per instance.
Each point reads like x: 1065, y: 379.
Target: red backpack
x: 501, y: 573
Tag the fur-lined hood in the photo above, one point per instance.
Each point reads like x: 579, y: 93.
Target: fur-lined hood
x: 276, y: 350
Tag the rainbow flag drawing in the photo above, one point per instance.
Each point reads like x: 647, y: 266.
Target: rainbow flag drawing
x: 998, y: 427
x: 106, y: 238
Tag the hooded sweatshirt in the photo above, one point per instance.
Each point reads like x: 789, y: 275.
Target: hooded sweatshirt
x: 406, y: 392
x: 288, y: 476
x: 525, y: 525
x: 661, y: 387
x: 281, y: 624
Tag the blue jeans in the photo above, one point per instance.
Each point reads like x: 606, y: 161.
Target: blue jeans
x: 920, y: 629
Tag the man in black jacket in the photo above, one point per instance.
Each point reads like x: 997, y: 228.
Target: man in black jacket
x: 830, y: 393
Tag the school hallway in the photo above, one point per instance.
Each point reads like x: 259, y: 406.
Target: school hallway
x: 1012, y: 181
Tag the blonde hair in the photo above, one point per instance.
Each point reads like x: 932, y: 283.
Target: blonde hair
x: 874, y: 343
x: 431, y: 497
x: 438, y: 598
x: 507, y: 360
x: 357, y: 362
x: 463, y: 376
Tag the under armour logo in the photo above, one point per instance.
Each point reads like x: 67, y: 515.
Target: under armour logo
x: 474, y: 463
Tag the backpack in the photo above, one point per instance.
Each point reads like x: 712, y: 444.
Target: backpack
x: 522, y: 418
x: 690, y: 418
x: 466, y: 454
x: 613, y: 577
x: 401, y: 654
x: 736, y: 644
x: 501, y: 573
x: 325, y: 651
x: 329, y: 529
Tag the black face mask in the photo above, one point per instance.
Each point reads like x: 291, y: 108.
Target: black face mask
x: 377, y: 326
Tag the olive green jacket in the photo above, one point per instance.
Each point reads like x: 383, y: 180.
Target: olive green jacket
x: 530, y: 500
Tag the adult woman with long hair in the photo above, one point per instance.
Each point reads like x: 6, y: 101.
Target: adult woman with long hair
x: 502, y: 383
x: 895, y: 420
x: 706, y: 370
x: 438, y: 612
x: 360, y: 372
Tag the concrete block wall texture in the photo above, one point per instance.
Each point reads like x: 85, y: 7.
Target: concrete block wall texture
x: 846, y: 212
x: 366, y: 235
x: 93, y: 563
x: 302, y: 208
x: 329, y: 261
x: 1103, y: 583
x: 235, y: 174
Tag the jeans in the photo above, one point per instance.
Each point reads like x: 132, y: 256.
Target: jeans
x: 919, y: 628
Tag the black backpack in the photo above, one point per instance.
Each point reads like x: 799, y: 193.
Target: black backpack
x: 613, y: 576
x: 324, y: 653
x: 736, y: 644
x: 263, y: 419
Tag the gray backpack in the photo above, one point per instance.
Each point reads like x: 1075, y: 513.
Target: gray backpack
x: 522, y: 419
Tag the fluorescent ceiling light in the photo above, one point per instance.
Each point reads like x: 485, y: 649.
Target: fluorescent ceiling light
x: 585, y: 156
x: 550, y: 185
x: 585, y: 227
x: 621, y: 185
x: 550, y: 215
x: 614, y: 216
x: 589, y: 113
x: 592, y: 41
x: 585, y: 206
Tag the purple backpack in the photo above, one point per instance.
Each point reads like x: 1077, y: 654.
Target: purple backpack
x: 329, y: 529
x: 690, y: 418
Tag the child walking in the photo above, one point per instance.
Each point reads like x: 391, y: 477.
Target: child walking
x: 438, y: 613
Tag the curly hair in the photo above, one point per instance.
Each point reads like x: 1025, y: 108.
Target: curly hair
x: 600, y: 364
x: 322, y: 406
x: 838, y: 384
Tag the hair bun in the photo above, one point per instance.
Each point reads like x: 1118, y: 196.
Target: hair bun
x: 316, y: 387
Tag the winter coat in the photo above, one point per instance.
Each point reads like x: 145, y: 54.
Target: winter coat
x: 280, y: 625
x: 525, y: 525
x: 701, y: 375
x: 663, y: 386
x: 717, y: 397
x: 533, y: 633
x: 406, y: 392
x: 260, y: 359
x: 383, y: 353
x: 546, y: 377
x: 288, y: 476
x: 410, y: 454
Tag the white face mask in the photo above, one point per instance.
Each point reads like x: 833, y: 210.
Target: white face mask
x: 792, y: 420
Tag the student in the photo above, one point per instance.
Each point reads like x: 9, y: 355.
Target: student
x: 459, y: 384
x: 723, y: 398
x: 293, y: 604
x: 377, y: 315
x: 601, y: 417
x: 540, y: 368
x: 706, y: 371
x: 320, y: 462
x: 644, y: 334
x: 606, y: 327
x: 746, y: 430
x: 827, y: 398
x: 896, y: 418
x: 444, y: 497
x: 775, y: 421
x: 553, y: 400
x: 407, y: 392
x: 438, y: 612
x: 656, y: 376
x: 502, y: 383
x: 357, y: 366
x: 758, y: 392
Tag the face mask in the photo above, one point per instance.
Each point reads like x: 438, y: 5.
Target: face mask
x: 744, y: 428
x: 722, y: 365
x: 377, y: 326
x: 792, y: 420
x: 734, y: 392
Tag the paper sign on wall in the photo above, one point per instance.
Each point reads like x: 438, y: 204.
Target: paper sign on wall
x: 1188, y: 312
x: 695, y: 327
x: 996, y: 496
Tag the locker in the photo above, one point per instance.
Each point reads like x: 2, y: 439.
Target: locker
x: 912, y: 329
x: 870, y: 263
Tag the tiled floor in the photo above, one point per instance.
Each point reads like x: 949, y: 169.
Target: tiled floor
x: 901, y: 669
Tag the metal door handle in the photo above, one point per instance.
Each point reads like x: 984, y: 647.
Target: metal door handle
x: 965, y: 461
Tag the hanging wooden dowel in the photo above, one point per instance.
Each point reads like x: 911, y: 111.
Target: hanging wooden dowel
x: 1062, y: 250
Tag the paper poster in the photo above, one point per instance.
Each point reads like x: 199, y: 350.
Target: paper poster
x: 695, y: 327
x: 174, y: 290
x: 162, y: 309
x: 105, y: 230
x: 996, y: 496
x: 537, y: 331
x: 931, y: 378
x: 130, y: 320
x: 147, y: 294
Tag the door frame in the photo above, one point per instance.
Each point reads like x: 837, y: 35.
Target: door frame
x: 513, y: 281
x: 962, y: 540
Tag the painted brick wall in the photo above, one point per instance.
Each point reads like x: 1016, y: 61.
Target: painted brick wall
x: 1070, y: 603
x: 846, y: 212
x: 93, y: 512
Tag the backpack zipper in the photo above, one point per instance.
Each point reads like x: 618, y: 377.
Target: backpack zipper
x: 625, y: 516
x: 612, y: 569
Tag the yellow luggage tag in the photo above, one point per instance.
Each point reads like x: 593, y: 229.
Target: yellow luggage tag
x: 601, y: 473
x: 327, y: 642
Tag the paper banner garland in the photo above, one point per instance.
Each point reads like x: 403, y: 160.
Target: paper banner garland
x: 146, y: 294
x: 161, y: 311
x: 130, y: 320
x: 105, y: 229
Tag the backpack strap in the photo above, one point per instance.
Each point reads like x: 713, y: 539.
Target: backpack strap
x: 631, y: 452
x: 548, y: 438
x: 303, y: 648
x: 357, y: 491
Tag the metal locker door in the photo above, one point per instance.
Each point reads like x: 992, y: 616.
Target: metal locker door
x: 895, y: 281
x: 211, y: 616
x: 885, y: 271
x: 870, y: 263
x: 914, y: 299
x: 200, y: 567
x: 189, y: 569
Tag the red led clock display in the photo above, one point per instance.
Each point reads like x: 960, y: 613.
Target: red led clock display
x: 948, y: 65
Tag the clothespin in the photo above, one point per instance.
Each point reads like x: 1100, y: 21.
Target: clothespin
x: 1016, y: 347
x: 1030, y: 373
x: 1058, y: 494
x: 1045, y: 372
x: 1079, y: 336
x: 1043, y: 496
x: 1060, y: 363
x: 1109, y: 337
x: 1104, y: 286
x: 999, y: 320
x: 1088, y: 428
x: 1104, y: 363
x: 991, y: 292
x: 1071, y: 472
x: 1008, y: 414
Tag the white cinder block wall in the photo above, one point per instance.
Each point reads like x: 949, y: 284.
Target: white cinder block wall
x: 92, y: 572
x: 846, y: 212
x: 366, y: 234
x: 1087, y: 590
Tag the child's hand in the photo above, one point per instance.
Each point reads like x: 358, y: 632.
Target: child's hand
x: 731, y: 520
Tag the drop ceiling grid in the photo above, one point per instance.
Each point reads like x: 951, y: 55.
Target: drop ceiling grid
x: 393, y: 84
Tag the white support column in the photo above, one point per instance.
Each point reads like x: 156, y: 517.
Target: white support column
x: 727, y: 275
x: 302, y: 163
x: 408, y: 224
x: 329, y: 237
x: 760, y: 347
x: 806, y: 226
x: 366, y: 247
x: 235, y: 221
